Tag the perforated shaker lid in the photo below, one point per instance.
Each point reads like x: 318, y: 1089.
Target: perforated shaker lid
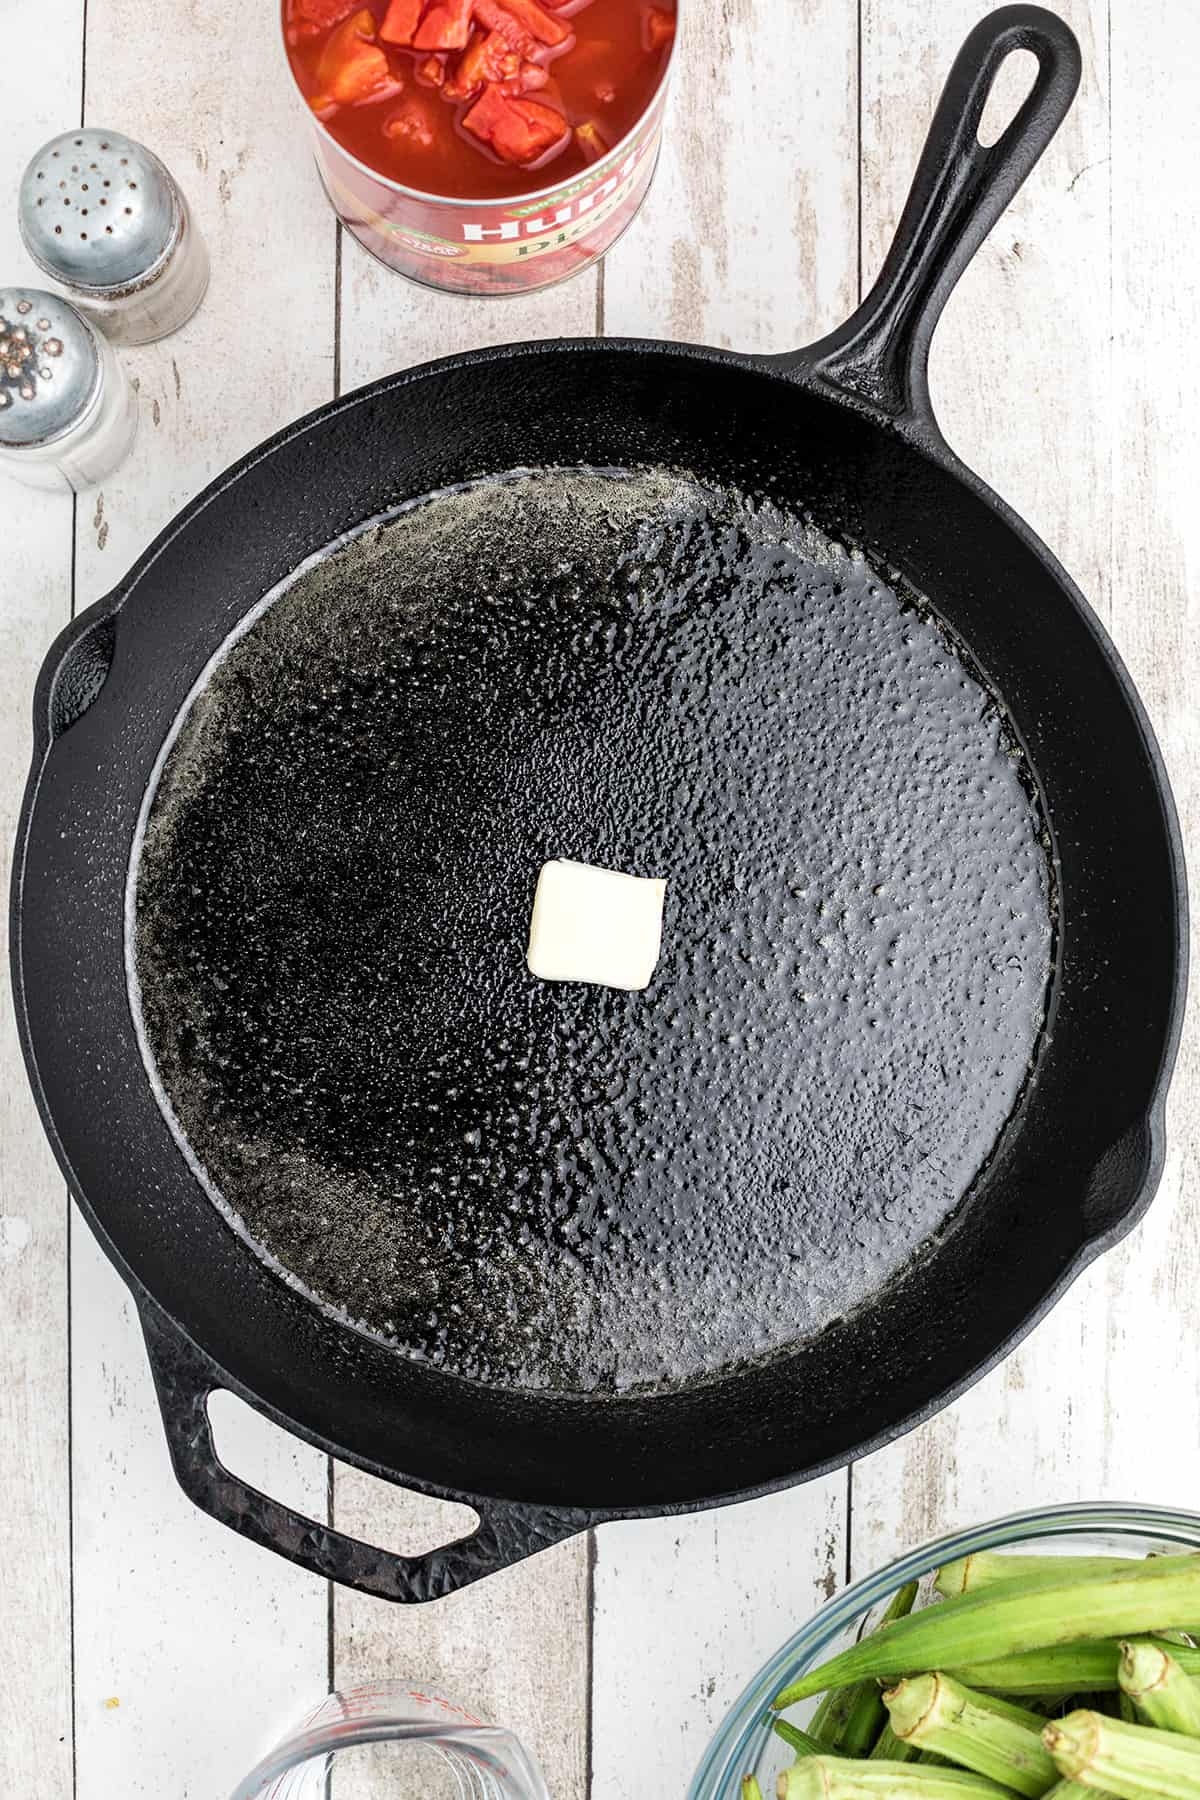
x: 49, y: 366
x: 97, y: 210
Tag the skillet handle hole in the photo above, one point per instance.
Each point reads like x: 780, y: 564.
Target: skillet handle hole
x: 1010, y: 90
x: 378, y: 1512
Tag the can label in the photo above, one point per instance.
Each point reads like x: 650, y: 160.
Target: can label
x: 507, y: 246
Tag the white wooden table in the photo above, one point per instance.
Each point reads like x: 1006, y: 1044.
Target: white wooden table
x: 146, y: 1652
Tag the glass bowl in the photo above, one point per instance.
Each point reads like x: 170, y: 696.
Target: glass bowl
x: 746, y: 1743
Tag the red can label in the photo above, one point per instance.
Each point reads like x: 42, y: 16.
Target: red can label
x: 508, y: 246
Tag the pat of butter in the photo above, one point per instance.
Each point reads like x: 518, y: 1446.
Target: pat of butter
x: 595, y: 925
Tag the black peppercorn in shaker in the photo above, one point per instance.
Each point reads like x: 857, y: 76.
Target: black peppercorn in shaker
x: 67, y: 411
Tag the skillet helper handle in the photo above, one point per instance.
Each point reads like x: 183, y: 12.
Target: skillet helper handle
x: 185, y: 1377
x: 961, y: 188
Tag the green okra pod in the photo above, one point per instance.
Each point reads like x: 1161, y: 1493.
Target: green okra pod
x: 1080, y: 1668
x: 1074, y: 1790
x: 1133, y: 1761
x: 802, y: 1742
x: 890, y: 1748
x: 1161, y: 1693
x: 864, y: 1721
x: 850, y: 1719
x: 827, y: 1722
x: 977, y: 1731
x: 750, y: 1788
x: 835, y: 1778
x: 1013, y: 1617
x: 986, y: 1567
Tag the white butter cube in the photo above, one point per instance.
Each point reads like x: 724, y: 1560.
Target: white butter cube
x: 595, y: 925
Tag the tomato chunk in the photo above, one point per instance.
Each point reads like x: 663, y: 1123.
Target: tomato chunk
x: 590, y: 139
x: 309, y: 18
x: 660, y: 28
x: 542, y: 25
x: 401, y: 21
x: 433, y: 71
x: 518, y: 130
x: 411, y: 124
x: 523, y: 23
x: 352, y: 68
x: 486, y: 58
x: 446, y: 26
x: 498, y: 19
x: 528, y: 77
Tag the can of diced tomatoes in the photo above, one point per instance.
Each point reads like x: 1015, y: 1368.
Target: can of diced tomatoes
x: 384, y: 157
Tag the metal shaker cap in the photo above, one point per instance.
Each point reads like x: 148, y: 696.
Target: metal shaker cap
x: 97, y: 210
x: 49, y: 366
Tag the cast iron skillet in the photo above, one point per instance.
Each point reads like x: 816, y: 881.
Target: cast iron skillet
x: 847, y: 427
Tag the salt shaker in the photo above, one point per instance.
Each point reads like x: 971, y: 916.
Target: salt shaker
x: 67, y: 412
x: 102, y: 216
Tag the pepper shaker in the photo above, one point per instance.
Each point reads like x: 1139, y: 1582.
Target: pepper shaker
x: 67, y: 412
x: 102, y: 216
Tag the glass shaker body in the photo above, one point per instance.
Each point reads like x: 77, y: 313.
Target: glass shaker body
x: 68, y: 414
x: 102, y: 216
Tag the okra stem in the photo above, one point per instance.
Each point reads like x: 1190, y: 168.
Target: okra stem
x: 831, y: 1778
x: 1016, y: 1616
x: 977, y: 1731
x: 802, y: 1742
x: 1161, y: 1693
x: 1133, y: 1761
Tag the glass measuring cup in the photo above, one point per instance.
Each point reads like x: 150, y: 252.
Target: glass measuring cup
x: 480, y: 1761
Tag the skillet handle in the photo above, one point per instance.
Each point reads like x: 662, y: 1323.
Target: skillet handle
x: 74, y: 670
x: 880, y: 356
x: 185, y: 1376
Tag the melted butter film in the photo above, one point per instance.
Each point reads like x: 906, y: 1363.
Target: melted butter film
x: 557, y: 1186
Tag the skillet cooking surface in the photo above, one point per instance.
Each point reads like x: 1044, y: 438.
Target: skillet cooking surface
x: 553, y: 1185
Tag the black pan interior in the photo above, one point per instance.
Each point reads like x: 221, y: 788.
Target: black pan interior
x: 561, y: 1186
x: 1064, y: 1177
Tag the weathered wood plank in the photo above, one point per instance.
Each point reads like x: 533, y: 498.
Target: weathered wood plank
x: 209, y: 1644
x: 686, y: 1610
x: 749, y: 238
x: 514, y: 1647
x: 1152, y: 1442
x: 1024, y: 373
x: 35, y: 531
x: 1020, y: 369
x: 389, y: 323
